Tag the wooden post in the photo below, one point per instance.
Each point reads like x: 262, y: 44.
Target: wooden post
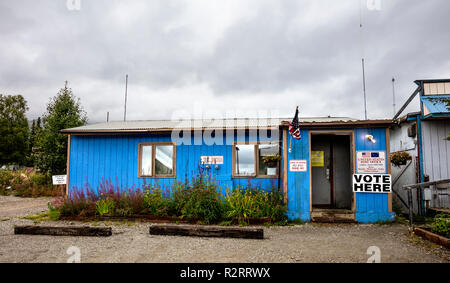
x: 389, y: 167
x: 410, y: 206
x: 68, y: 166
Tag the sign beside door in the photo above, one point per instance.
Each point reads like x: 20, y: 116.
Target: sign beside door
x: 298, y: 166
x: 371, y: 162
x: 372, y: 183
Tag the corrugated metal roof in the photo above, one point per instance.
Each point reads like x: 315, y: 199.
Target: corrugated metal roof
x: 436, y: 104
x: 238, y: 123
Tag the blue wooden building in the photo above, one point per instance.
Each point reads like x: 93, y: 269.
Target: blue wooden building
x: 315, y: 172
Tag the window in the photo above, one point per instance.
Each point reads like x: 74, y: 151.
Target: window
x: 146, y: 163
x: 244, y: 160
x: 267, y: 168
x: 164, y: 160
x: 248, y: 160
x: 157, y: 160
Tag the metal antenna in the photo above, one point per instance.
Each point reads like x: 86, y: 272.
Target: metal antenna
x: 393, y: 94
x: 363, y: 60
x: 107, y: 117
x: 364, y: 89
x: 126, y: 94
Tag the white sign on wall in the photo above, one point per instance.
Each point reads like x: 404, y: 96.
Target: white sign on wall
x: 298, y: 166
x: 372, y: 183
x: 59, y: 179
x: 212, y: 160
x: 371, y: 162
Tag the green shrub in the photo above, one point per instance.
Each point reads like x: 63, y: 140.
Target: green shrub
x: 128, y: 203
x: 27, y: 190
x: 79, y: 203
x: 156, y: 203
x: 53, y: 212
x: 25, y: 184
x: 105, y: 206
x: 6, y: 178
x: 38, y: 179
x: 441, y: 225
x: 240, y: 205
x: 243, y: 204
x: 198, y: 200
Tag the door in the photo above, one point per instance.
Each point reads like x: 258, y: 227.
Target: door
x: 342, y: 172
x: 331, y: 171
x: 321, y: 171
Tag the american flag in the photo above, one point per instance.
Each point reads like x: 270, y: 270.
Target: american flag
x: 294, y: 127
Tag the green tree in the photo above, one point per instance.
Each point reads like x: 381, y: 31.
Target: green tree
x: 14, y: 129
x: 63, y: 111
x: 35, y: 134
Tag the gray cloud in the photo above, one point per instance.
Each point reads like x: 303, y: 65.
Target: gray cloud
x: 242, y: 55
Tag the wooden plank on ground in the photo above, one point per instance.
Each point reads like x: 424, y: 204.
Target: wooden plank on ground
x: 207, y: 231
x: 64, y: 231
x: 440, y: 210
x: 432, y: 237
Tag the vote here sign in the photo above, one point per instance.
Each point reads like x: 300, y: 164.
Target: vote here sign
x: 372, y: 183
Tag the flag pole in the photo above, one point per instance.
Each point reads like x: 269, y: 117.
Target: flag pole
x: 290, y: 145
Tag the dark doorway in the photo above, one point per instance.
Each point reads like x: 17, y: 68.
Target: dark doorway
x: 331, y: 171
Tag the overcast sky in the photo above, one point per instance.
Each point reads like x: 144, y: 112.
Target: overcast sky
x: 221, y: 57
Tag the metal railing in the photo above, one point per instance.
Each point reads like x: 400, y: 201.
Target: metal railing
x: 410, y: 188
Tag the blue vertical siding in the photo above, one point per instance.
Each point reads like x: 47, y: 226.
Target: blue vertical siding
x: 94, y: 158
x: 369, y: 207
x: 372, y: 207
x: 298, y: 182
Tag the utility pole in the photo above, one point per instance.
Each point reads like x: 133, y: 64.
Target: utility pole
x: 126, y: 94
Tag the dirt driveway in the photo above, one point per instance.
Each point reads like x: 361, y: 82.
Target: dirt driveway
x: 131, y: 242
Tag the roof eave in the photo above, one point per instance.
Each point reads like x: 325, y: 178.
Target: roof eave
x: 419, y: 82
x: 344, y: 124
x: 157, y: 131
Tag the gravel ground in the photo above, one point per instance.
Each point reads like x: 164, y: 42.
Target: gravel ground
x: 11, y: 206
x: 131, y: 242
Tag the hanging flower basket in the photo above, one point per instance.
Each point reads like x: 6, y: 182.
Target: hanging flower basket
x: 400, y: 158
x: 271, y: 160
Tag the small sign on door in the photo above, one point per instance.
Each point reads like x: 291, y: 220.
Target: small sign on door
x: 317, y: 158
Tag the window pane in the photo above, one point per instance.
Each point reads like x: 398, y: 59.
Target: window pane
x: 146, y: 162
x: 269, y: 168
x: 164, y: 160
x: 245, y: 160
